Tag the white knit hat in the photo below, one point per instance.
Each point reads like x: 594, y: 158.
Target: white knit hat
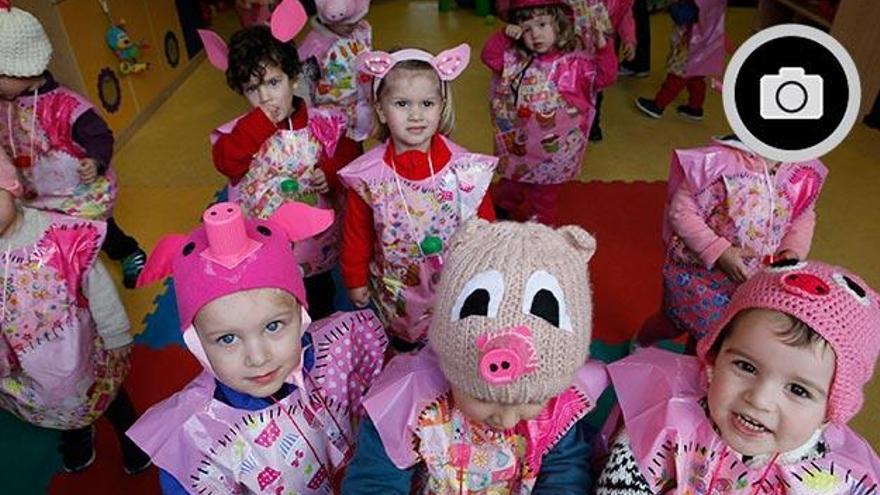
x: 25, y: 49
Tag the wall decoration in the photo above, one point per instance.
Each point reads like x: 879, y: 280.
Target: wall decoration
x: 172, y: 49
x: 109, y: 91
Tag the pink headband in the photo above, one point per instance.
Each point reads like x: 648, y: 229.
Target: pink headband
x: 449, y: 64
x: 287, y: 21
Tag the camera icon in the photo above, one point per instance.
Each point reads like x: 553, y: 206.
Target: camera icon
x: 791, y: 95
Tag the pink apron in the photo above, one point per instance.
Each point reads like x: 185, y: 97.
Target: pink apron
x: 338, y: 85
x: 410, y: 404
x: 540, y: 136
x: 698, y: 49
x: 678, y: 450
x: 299, y: 445
x: 405, y: 212
x: 291, y: 156
x: 60, y: 376
x: 39, y: 128
x: 742, y: 204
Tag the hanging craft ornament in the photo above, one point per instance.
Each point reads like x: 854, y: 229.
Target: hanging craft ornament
x: 125, y: 49
x: 430, y: 246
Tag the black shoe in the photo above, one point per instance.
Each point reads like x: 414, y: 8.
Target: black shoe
x: 134, y: 460
x: 649, y: 108
x: 502, y: 213
x: 132, y: 266
x: 77, y: 449
x: 596, y: 134
x: 690, y: 113
x: 627, y: 72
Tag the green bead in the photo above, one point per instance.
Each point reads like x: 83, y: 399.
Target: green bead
x: 289, y: 186
x: 431, y: 245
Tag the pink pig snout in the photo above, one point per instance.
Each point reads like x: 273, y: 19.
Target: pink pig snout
x: 507, y: 355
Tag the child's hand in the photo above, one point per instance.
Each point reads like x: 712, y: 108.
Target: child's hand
x: 273, y: 113
x: 88, y: 170
x: 732, y: 262
x: 628, y: 50
x: 359, y: 296
x: 513, y: 31
x: 320, y: 182
x: 120, y: 353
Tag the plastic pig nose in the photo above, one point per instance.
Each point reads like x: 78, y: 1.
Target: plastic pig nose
x: 808, y: 283
x: 501, y: 366
x: 227, y: 237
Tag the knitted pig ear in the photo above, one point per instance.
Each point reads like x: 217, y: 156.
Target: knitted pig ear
x: 451, y: 63
x: 215, y: 48
x: 580, y: 239
x: 159, y: 262
x: 301, y: 221
x: 375, y: 64
x: 288, y: 19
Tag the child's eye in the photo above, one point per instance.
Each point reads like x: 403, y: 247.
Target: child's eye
x: 226, y: 339
x: 274, y: 326
x: 250, y: 89
x: 427, y: 103
x: 400, y: 103
x: 800, y: 391
x: 274, y: 82
x: 745, y: 366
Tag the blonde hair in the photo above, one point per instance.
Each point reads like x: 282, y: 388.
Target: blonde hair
x: 566, y: 38
x: 447, y: 118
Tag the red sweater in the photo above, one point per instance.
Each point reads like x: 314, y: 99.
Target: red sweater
x: 358, y: 236
x: 233, y: 152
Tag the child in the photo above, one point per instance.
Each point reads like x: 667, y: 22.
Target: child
x: 729, y: 211
x: 339, y: 34
x: 543, y: 101
x: 696, y: 50
x: 623, y: 35
x: 275, y: 405
x: 407, y: 196
x: 57, y: 140
x: 65, y: 342
x: 493, y: 404
x: 281, y: 150
x: 785, y: 369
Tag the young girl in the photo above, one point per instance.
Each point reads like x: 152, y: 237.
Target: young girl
x: 408, y: 195
x: 493, y: 404
x: 785, y: 369
x: 274, y: 408
x: 542, y: 97
x: 696, y: 51
x: 623, y: 36
x: 58, y: 142
x: 64, y: 342
x: 282, y: 150
x: 339, y: 34
x: 729, y: 211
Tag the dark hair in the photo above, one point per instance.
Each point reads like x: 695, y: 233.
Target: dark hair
x: 566, y: 39
x: 252, y: 48
x: 797, y: 334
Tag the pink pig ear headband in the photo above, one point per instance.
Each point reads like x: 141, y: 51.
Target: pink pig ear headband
x: 287, y: 20
x: 449, y: 64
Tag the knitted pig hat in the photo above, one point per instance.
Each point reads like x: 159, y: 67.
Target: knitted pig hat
x: 25, y: 49
x: 513, y: 313
x: 835, y: 303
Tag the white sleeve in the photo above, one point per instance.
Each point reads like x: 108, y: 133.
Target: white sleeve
x: 106, y: 308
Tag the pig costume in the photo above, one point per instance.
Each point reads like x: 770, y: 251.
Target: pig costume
x: 338, y: 84
x: 670, y: 443
x: 725, y: 195
x: 297, y: 443
x: 512, y: 326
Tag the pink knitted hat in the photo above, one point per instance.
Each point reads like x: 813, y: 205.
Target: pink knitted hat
x: 835, y: 303
x: 8, y: 175
x: 231, y: 254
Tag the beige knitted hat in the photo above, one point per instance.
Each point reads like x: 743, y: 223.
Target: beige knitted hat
x: 513, y: 316
x: 25, y: 49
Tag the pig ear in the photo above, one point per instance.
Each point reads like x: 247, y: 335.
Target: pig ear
x: 288, y: 19
x: 159, y: 263
x: 580, y: 239
x: 375, y: 64
x: 301, y: 221
x: 451, y: 63
x: 215, y: 48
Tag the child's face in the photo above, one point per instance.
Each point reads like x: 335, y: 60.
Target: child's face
x: 767, y: 396
x: 495, y: 415
x: 411, y: 105
x: 251, y: 339
x: 539, y: 33
x: 273, y: 93
x: 8, y: 212
x: 11, y: 87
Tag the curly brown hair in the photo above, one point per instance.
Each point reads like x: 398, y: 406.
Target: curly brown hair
x: 252, y: 49
x: 566, y: 38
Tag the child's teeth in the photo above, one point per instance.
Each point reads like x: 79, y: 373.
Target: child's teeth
x: 750, y: 423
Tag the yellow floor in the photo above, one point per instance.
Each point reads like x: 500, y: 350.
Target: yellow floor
x: 168, y: 178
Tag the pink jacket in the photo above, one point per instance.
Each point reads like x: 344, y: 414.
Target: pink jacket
x: 621, y: 14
